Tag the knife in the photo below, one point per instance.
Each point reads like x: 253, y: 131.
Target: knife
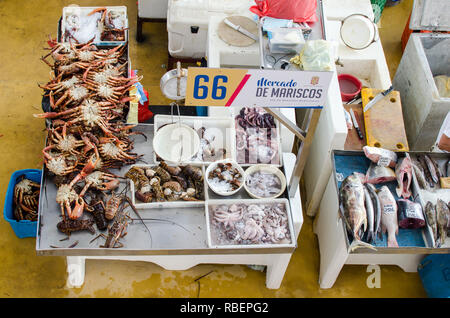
x: 355, y: 124
x: 377, y: 98
x: 240, y: 29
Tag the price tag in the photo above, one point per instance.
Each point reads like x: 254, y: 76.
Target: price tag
x: 389, y: 209
x: 384, y: 161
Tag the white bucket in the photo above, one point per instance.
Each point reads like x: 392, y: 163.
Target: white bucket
x: 358, y: 31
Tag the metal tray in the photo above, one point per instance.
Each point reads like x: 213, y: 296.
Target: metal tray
x: 187, y: 236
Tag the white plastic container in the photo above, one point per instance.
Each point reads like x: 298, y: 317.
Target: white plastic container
x: 212, y: 244
x: 268, y: 169
x: 213, y: 166
x: 426, y: 56
x: 222, y: 126
x: 187, y: 23
x: 75, y: 15
x: 166, y: 204
x: 286, y: 40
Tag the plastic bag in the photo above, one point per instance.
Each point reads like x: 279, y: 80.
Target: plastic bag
x: 296, y: 10
x: 316, y: 55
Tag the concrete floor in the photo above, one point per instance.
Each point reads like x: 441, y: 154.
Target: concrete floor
x: 25, y: 26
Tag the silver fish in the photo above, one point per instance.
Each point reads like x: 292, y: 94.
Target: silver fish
x: 370, y: 215
x: 420, y: 175
x: 430, y: 212
x: 432, y: 169
x: 426, y: 171
x: 442, y: 215
x: 351, y: 196
x: 377, y: 209
x: 389, y: 221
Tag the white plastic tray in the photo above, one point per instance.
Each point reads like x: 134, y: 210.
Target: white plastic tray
x: 82, y: 11
x: 250, y: 201
x: 235, y: 112
x: 224, y: 126
x: 167, y: 204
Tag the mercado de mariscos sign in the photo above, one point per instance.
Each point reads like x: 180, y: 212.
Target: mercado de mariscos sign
x: 258, y: 88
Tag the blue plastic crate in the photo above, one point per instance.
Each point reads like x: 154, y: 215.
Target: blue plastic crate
x: 22, y: 228
x: 434, y: 270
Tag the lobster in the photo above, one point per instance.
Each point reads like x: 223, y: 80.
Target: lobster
x: 118, y: 228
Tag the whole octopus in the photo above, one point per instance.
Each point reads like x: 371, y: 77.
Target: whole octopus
x: 245, y: 224
x: 164, y: 183
x: 87, y: 136
x: 256, y: 136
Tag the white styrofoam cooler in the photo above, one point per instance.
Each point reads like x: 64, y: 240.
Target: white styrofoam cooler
x: 153, y: 9
x: 187, y: 23
x: 424, y: 110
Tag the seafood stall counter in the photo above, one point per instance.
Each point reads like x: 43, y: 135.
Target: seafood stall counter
x: 382, y: 211
x: 171, y: 233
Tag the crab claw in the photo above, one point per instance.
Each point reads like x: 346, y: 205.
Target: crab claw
x: 77, y: 211
x: 47, y: 115
x: 111, y: 185
x: 87, y: 170
x: 126, y: 99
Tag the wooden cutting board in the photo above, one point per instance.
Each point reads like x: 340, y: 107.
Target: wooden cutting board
x: 236, y: 38
x: 384, y: 121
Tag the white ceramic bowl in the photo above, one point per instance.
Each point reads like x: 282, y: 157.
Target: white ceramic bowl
x: 213, y: 166
x: 174, y: 139
x: 264, y: 168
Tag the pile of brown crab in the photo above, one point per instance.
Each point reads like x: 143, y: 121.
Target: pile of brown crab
x: 248, y: 224
x: 87, y: 136
x: 163, y: 183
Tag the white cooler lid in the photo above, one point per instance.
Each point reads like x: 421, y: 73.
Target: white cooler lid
x: 430, y: 15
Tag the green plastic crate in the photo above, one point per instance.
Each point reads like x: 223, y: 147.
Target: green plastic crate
x: 377, y: 6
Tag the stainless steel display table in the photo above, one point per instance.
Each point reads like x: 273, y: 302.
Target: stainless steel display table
x: 173, y: 246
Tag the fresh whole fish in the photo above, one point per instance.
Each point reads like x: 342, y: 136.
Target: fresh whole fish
x: 403, y: 171
x: 432, y: 169
x: 351, y: 197
x: 370, y: 215
x: 420, y: 175
x: 377, y: 209
x: 442, y: 215
x: 410, y: 214
x: 436, y: 167
x: 430, y: 212
x: 374, y: 154
x: 389, y: 221
x: 379, y: 174
x: 427, y: 173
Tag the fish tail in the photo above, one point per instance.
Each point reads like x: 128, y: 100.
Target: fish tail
x: 370, y: 236
x: 392, y: 241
